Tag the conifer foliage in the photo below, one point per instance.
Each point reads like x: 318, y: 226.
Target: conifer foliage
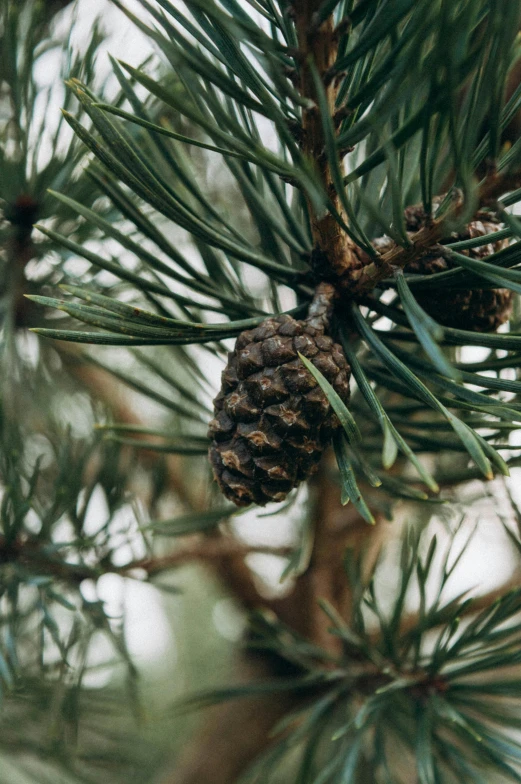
x: 319, y: 198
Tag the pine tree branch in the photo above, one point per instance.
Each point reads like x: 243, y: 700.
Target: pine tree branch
x: 32, y: 553
x: 335, y: 256
x: 338, y: 255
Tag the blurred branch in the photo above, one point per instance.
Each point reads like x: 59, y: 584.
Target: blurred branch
x: 110, y: 391
x: 207, y: 549
x: 337, y: 527
x: 30, y: 552
x: 229, y: 566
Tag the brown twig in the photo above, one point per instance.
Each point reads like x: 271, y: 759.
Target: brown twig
x: 496, y: 185
x: 337, y: 527
x: 30, y: 552
x: 201, y: 549
x: 336, y: 257
x: 334, y: 253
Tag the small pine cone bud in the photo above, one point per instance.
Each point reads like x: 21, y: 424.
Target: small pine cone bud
x: 272, y: 420
x: 476, y: 310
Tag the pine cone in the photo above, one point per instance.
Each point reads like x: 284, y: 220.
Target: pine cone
x: 477, y: 310
x: 272, y: 420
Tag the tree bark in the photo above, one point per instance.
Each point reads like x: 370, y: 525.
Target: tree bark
x: 233, y: 733
x: 236, y: 733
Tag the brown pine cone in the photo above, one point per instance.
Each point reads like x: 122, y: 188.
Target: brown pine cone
x: 272, y: 420
x: 477, y: 310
